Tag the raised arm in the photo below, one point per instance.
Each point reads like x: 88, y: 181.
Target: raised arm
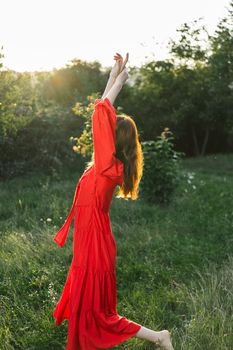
x: 117, y: 86
x: 116, y: 70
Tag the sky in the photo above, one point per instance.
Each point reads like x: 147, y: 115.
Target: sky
x: 48, y: 34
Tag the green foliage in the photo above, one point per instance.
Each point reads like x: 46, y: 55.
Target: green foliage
x: 17, y: 102
x: 42, y: 144
x: 190, y: 92
x: 74, y: 82
x: 161, y: 169
x: 221, y: 77
x: 192, y: 45
x: 84, y: 143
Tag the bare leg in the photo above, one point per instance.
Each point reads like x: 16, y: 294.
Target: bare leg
x: 162, y: 338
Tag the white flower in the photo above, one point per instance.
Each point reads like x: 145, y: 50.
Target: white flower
x: 49, y: 220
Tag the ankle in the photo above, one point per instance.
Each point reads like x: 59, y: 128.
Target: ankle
x: 162, y: 335
x: 158, y: 336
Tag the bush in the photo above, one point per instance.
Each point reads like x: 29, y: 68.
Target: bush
x: 161, y: 169
x: 84, y: 143
x: 43, y: 144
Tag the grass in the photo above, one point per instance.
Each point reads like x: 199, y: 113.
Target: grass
x: 174, y: 263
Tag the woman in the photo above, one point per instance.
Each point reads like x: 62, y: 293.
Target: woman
x: 88, y: 299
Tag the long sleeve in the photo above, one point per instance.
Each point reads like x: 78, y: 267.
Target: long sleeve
x: 103, y: 131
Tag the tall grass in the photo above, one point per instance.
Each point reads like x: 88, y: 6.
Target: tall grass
x: 174, y: 263
x: 210, y: 309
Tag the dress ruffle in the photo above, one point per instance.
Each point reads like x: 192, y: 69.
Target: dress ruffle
x: 91, y: 295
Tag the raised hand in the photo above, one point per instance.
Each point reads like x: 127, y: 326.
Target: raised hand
x: 119, y: 64
x: 118, y: 76
x: 120, y: 58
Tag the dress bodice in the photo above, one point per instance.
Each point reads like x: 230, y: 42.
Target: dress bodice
x: 96, y: 185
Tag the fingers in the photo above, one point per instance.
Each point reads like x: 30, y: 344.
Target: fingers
x: 118, y: 56
x: 120, y: 63
x: 126, y: 60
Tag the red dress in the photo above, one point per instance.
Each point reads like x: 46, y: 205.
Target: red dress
x: 88, y: 299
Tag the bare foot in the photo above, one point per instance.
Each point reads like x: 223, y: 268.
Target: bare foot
x: 164, y: 340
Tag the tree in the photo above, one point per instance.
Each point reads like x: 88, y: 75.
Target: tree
x: 74, y: 82
x: 221, y: 71
x: 192, y: 90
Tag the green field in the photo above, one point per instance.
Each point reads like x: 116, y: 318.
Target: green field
x: 174, y: 263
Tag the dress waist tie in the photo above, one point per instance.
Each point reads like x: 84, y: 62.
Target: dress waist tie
x: 60, y: 237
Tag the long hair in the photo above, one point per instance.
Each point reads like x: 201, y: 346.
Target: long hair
x: 129, y: 151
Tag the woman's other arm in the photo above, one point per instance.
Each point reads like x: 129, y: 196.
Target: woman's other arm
x: 117, y: 86
x: 116, y: 69
x: 111, y: 81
